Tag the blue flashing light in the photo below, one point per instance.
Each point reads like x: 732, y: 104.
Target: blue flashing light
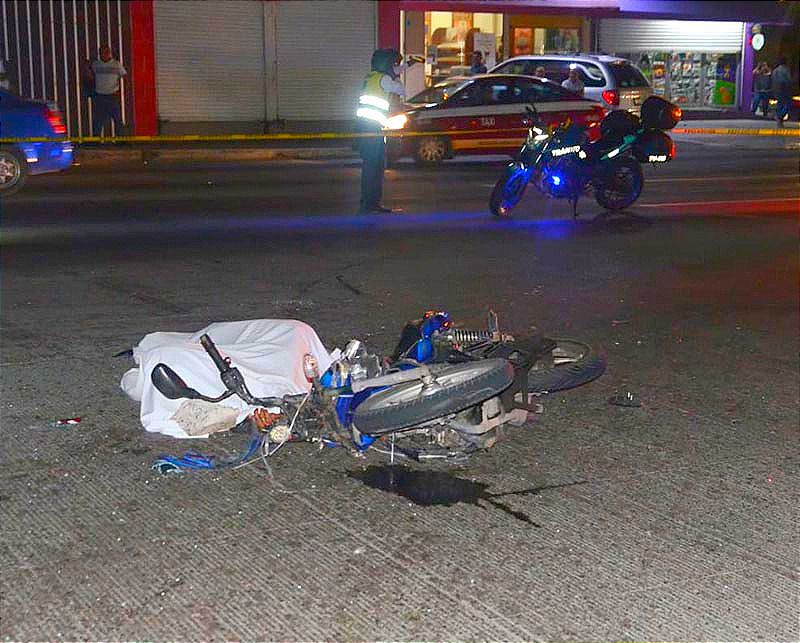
x: 556, y: 179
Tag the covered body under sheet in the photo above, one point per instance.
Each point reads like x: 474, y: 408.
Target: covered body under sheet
x: 268, y: 352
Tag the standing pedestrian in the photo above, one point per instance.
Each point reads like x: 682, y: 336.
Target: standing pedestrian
x: 762, y: 83
x: 477, y: 66
x: 106, y: 72
x: 573, y: 82
x: 782, y: 89
x: 381, y: 92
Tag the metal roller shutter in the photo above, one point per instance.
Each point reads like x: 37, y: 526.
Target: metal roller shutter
x: 323, y: 52
x: 626, y: 36
x: 210, y: 60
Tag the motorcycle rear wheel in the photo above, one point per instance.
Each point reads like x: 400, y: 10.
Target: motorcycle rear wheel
x: 508, y: 191
x: 570, y: 364
x: 622, y: 185
x: 411, y: 403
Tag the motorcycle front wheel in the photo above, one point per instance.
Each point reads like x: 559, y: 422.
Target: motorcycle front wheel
x: 508, y: 190
x: 621, y: 185
x: 455, y: 388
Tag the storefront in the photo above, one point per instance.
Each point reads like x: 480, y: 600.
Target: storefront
x: 448, y: 40
x: 692, y: 51
x: 693, y: 63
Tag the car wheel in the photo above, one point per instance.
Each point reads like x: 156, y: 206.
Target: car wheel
x: 13, y: 171
x: 431, y: 151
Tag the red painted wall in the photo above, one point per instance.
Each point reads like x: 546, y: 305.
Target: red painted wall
x: 389, y: 24
x: 143, y: 68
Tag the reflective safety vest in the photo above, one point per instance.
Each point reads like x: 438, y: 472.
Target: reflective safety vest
x: 373, y: 104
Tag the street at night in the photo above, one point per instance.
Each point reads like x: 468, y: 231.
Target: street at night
x: 399, y: 320
x: 672, y: 520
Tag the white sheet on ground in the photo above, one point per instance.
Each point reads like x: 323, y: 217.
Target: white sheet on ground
x: 268, y: 352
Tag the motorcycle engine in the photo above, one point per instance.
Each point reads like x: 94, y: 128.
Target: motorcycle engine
x: 561, y: 179
x: 354, y: 364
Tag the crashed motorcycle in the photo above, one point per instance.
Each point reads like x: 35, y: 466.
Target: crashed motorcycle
x: 443, y: 394
x: 573, y: 160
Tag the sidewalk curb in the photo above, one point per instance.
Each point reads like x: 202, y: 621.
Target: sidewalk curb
x: 97, y: 157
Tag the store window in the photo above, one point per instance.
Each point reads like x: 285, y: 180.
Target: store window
x: 527, y: 41
x: 690, y: 79
x: 451, y: 38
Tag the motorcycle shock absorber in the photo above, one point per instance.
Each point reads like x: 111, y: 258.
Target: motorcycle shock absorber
x: 460, y: 336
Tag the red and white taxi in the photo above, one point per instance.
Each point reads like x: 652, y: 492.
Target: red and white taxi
x: 483, y: 114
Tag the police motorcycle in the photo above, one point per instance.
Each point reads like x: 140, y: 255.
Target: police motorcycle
x: 443, y: 394
x: 566, y: 163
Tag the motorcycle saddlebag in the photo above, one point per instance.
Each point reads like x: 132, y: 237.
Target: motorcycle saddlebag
x: 658, y: 113
x: 654, y: 147
x: 619, y: 123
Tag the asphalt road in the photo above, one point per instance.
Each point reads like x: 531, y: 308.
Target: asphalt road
x: 676, y: 520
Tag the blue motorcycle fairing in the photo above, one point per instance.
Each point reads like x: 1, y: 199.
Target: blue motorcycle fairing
x: 432, y: 323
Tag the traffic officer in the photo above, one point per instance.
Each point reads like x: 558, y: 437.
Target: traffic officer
x: 381, y: 93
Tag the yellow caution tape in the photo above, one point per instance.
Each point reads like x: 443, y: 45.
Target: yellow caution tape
x: 737, y: 131
x: 202, y: 138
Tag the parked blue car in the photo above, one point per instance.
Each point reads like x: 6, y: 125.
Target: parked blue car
x: 24, y: 118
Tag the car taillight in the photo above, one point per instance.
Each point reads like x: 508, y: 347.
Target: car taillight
x: 593, y: 132
x: 611, y: 97
x: 671, y: 149
x: 55, y: 122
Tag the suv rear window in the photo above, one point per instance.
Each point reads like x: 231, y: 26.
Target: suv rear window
x: 591, y: 75
x: 555, y: 70
x: 514, y: 67
x: 627, y: 75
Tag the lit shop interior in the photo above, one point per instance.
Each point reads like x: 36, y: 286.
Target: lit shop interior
x: 448, y: 39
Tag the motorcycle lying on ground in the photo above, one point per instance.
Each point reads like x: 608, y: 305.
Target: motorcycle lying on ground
x: 442, y: 395
x: 566, y: 163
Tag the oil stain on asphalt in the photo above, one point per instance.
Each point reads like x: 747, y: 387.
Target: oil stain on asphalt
x: 427, y: 488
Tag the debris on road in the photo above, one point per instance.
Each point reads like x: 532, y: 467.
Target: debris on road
x: 67, y: 421
x: 626, y: 399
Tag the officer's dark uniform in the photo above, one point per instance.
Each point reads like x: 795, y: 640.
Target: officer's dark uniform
x: 373, y: 110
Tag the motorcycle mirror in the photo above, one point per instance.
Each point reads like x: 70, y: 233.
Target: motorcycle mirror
x: 531, y: 110
x: 493, y: 323
x: 170, y: 384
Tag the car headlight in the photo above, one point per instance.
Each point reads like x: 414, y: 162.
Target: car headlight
x: 398, y: 121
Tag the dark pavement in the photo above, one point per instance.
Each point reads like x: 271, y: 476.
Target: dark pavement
x: 684, y: 526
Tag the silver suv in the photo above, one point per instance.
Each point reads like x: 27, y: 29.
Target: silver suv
x: 614, y: 82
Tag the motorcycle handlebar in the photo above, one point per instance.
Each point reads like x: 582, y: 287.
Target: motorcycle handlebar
x: 233, y: 379
x: 220, y: 362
